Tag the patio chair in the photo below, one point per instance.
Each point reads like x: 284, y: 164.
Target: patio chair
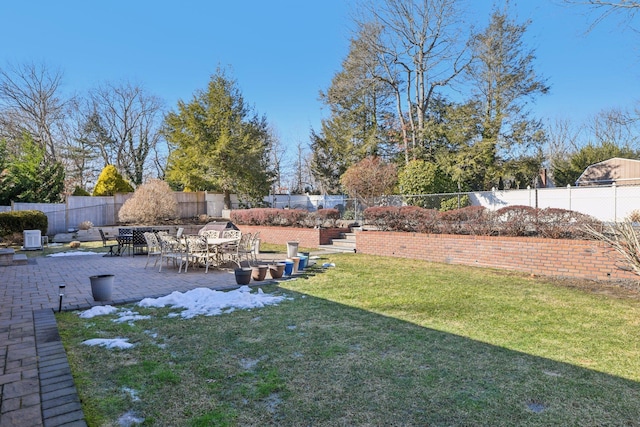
x: 231, y: 251
x: 154, y: 249
x: 214, y: 234
x: 106, y: 244
x: 255, y: 246
x: 197, y: 251
x: 231, y: 234
x: 244, y: 248
x: 172, y: 250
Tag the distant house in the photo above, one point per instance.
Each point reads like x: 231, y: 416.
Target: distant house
x: 616, y: 170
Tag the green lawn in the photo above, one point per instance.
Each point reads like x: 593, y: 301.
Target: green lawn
x: 377, y: 341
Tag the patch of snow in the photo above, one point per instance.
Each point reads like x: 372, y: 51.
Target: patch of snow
x: 129, y: 419
x: 133, y: 394
x: 129, y: 316
x: 99, y: 310
x: 328, y: 264
x: 121, y: 343
x: 207, y: 302
x: 74, y: 253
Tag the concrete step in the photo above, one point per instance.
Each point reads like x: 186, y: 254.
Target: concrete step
x: 20, y: 259
x: 348, y: 236
x: 334, y: 248
x: 342, y: 243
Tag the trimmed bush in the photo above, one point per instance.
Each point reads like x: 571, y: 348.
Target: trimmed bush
x: 475, y: 220
x: 517, y: 221
x: 556, y: 223
x: 272, y: 217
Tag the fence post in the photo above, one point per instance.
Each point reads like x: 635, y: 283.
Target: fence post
x: 615, y: 202
x: 569, y: 191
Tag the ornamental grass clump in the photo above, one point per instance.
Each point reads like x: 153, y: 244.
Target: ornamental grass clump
x: 151, y: 202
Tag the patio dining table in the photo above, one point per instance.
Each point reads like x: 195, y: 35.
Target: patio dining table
x: 215, y: 245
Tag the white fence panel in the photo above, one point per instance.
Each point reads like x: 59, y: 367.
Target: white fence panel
x: 607, y: 203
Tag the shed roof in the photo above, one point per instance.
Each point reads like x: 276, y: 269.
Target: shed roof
x: 615, y: 170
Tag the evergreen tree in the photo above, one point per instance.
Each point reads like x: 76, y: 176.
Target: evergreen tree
x: 29, y: 177
x: 111, y: 182
x: 219, y: 144
x: 505, y: 80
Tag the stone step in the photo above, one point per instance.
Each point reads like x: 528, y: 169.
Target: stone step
x: 334, y: 248
x: 348, y: 236
x: 20, y: 259
x: 343, y: 243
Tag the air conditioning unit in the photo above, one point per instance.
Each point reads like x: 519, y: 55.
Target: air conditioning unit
x: 32, y: 240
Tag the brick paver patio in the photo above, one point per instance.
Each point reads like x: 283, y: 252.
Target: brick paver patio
x: 36, y: 386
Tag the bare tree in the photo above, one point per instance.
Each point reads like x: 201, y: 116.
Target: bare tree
x: 31, y: 102
x: 606, y: 8
x: 615, y: 126
x: 419, y: 49
x: 123, y: 122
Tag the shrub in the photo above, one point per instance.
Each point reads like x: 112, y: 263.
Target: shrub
x: 516, y: 220
x: 79, y: 191
x: 475, y: 220
x: 111, y: 182
x: 556, y: 223
x: 455, y: 203
x: 85, y: 225
x: 18, y: 221
x: 272, y: 217
x: 328, y: 217
x: 292, y: 217
x: 151, y: 202
x: 416, y: 219
x: 381, y: 217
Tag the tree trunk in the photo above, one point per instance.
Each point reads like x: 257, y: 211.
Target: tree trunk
x: 227, y: 199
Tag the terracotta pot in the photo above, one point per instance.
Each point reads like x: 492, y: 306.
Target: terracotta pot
x: 277, y: 270
x: 260, y: 272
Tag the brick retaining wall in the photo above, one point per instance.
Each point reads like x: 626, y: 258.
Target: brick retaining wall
x: 307, y: 237
x: 549, y: 257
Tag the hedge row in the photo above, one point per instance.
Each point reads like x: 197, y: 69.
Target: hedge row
x: 508, y: 221
x: 286, y: 217
x: 18, y: 221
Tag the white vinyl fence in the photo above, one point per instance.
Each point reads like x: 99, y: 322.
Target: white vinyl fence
x: 607, y: 203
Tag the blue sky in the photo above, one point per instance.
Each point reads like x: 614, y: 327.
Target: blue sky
x: 283, y: 52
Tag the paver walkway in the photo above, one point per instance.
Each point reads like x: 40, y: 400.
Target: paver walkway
x: 36, y: 386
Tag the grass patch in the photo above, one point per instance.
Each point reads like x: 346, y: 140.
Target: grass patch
x: 376, y: 341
